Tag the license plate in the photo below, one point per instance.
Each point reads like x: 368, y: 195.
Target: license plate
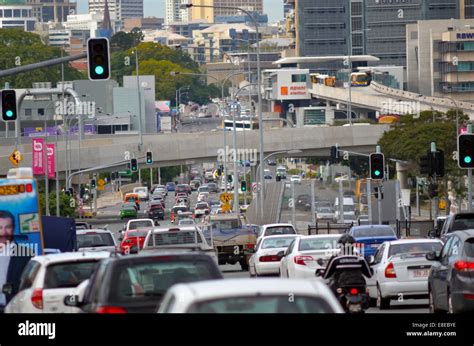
x: 420, y: 273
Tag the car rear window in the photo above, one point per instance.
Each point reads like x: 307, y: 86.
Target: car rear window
x: 277, y: 242
x: 226, y: 224
x: 175, y: 238
x: 314, y: 244
x: 469, y: 247
x: 94, y: 240
x: 136, y: 234
x: 150, y: 281
x: 374, y: 232
x: 65, y: 275
x: 262, y: 304
x: 140, y: 224
x: 463, y: 222
x: 279, y: 230
x: 412, y: 248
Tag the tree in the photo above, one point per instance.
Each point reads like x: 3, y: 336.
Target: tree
x: 18, y: 47
x: 123, y: 41
x: 64, y: 205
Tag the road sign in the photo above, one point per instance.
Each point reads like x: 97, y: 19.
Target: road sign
x: 226, y: 198
x: 127, y: 173
x: 15, y: 158
x: 100, y: 184
x: 226, y: 208
x: 256, y: 187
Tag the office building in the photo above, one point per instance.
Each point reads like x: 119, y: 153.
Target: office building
x: 249, y: 5
x: 119, y: 9
x: 148, y: 23
x: 52, y: 10
x: 467, y: 9
x: 17, y: 14
x: 174, y: 12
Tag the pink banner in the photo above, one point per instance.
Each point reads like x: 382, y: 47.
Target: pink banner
x: 51, y: 161
x: 38, y: 156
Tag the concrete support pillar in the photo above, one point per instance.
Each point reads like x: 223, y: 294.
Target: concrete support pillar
x: 402, y: 175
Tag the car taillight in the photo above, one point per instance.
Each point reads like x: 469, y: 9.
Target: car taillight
x: 301, y: 260
x: 390, y: 271
x: 354, y: 291
x: 110, y: 310
x: 249, y: 246
x: 463, y: 266
x: 37, y: 298
x: 272, y: 258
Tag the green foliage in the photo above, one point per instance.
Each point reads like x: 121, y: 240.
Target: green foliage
x: 123, y: 40
x: 65, y: 208
x: 30, y: 49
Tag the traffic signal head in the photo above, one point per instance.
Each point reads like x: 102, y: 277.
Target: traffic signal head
x: 243, y: 186
x: 229, y: 178
x: 98, y: 58
x: 93, y: 184
x: 149, y: 157
x: 134, y: 165
x: 377, y: 166
x: 9, y: 112
x: 466, y: 151
x: 278, y: 178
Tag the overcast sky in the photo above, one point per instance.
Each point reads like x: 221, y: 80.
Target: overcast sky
x: 156, y: 8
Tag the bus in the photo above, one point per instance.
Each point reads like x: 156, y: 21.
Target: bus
x: 360, y: 79
x: 324, y: 79
x: 240, y: 124
x: 20, y: 212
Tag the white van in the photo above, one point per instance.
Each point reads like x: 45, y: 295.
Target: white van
x: 348, y: 207
x: 142, y: 192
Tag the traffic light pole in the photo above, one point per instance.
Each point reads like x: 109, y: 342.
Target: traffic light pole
x: 369, y: 200
x: 379, y: 202
x: 469, y: 178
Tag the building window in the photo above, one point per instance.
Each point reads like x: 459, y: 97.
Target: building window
x: 17, y: 13
x: 24, y: 13
x: 8, y: 14
x: 28, y: 112
x: 41, y: 111
x: 298, y: 78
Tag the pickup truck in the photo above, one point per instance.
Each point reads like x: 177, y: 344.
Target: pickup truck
x: 179, y: 237
x: 139, y: 225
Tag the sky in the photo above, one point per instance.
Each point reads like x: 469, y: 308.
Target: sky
x: 156, y: 8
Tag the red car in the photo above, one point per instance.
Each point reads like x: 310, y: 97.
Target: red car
x: 129, y: 240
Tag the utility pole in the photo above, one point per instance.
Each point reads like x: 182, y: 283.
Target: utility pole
x: 313, y: 211
x: 369, y: 200
x: 379, y: 196
x: 469, y: 176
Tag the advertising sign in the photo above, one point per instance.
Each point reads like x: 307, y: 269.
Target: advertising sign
x: 37, y: 156
x: 51, y: 161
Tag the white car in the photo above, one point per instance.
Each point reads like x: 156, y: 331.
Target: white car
x: 142, y: 192
x: 275, y: 229
x: 95, y: 240
x: 46, y: 280
x: 203, y: 197
x: 296, y: 179
x: 301, y: 258
x: 201, y: 209
x: 401, y: 270
x: 267, y: 295
x: 266, y: 259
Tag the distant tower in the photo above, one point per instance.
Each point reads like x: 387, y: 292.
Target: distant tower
x: 106, y: 29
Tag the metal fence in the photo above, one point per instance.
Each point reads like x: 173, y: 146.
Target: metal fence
x: 416, y: 229
x: 329, y: 228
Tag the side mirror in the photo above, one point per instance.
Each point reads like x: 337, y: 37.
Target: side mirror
x: 157, y: 223
x: 7, y: 288
x: 281, y: 254
x: 320, y: 261
x: 71, y: 300
x: 371, y: 260
x: 320, y: 272
x: 432, y: 256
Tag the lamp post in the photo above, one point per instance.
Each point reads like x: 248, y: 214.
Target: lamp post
x: 139, y: 101
x: 259, y: 83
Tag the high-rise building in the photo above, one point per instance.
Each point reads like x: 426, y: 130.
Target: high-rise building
x: 467, y: 9
x: 17, y: 14
x: 373, y: 27
x: 203, y: 13
x: 249, y: 5
x: 52, y: 10
x: 119, y: 9
x: 174, y: 13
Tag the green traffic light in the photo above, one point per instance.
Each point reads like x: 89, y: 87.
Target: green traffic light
x: 9, y: 113
x: 467, y: 159
x: 377, y: 172
x: 99, y: 70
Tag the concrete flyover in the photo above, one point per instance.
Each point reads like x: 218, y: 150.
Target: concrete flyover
x: 190, y: 148
x: 387, y: 100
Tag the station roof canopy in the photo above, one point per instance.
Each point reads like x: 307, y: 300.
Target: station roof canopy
x: 319, y: 59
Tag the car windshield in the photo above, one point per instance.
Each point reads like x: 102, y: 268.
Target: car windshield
x: 411, y: 248
x: 463, y: 222
x: 68, y: 275
x: 179, y: 237
x: 262, y: 304
x: 94, y: 240
x: 227, y: 224
x: 202, y: 206
x: 279, y: 230
x: 324, y: 210
x: 139, y: 190
x: 374, y: 232
x: 277, y: 242
x: 140, y: 224
x: 348, y: 208
x: 150, y: 281
x: 203, y: 189
x: 128, y: 206
x: 186, y: 222
x: 314, y: 244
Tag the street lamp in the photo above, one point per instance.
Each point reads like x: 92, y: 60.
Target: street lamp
x: 259, y: 82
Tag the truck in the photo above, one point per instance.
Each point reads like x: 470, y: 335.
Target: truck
x: 232, y: 239
x: 140, y: 225
x: 59, y: 233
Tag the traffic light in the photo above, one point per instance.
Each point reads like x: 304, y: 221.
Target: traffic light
x: 433, y: 190
x: 377, y: 166
x: 466, y: 151
x: 426, y: 165
x: 98, y: 58
x: 278, y: 178
x: 432, y: 163
x: 219, y: 172
x: 243, y: 186
x: 9, y: 112
x: 334, y: 154
x: 438, y: 163
x: 376, y: 192
x: 149, y: 157
x: 134, y: 165
x: 93, y: 184
x: 229, y: 178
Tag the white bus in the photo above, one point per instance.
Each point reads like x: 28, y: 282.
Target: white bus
x: 240, y: 125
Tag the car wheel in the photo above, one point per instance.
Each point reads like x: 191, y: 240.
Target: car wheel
x: 450, y: 304
x: 372, y: 302
x: 432, y: 305
x: 244, y: 266
x: 382, y: 303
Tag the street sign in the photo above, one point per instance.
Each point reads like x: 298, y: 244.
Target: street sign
x: 15, y: 158
x: 226, y: 208
x: 226, y: 198
x: 216, y: 174
x: 256, y: 187
x: 127, y: 173
x: 100, y: 184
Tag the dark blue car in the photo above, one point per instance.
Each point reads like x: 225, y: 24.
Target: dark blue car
x: 170, y: 186
x: 371, y: 236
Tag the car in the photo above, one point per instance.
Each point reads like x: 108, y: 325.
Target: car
x: 170, y: 187
x: 179, y: 195
x: 82, y: 225
x: 271, y: 162
x: 156, y: 211
x: 157, y: 200
x: 95, y: 240
x: 46, y: 280
x: 161, y: 189
x: 129, y: 240
x: 203, y: 197
x: 268, y: 176
x: 401, y: 268
x: 183, y: 201
x: 180, y: 188
x: 128, y: 211
x: 267, y: 295
x: 266, y: 259
x: 185, y: 215
x: 142, y: 192
x: 177, y: 208
x: 296, y: 179
x: 274, y: 229
x: 201, y: 209
x: 213, y: 188
x: 281, y: 172
x: 348, y: 207
x: 371, y: 236
x: 306, y: 254
x: 195, y: 184
x: 451, y: 279
x: 456, y: 222
x: 203, y: 188
x: 137, y: 284
x: 303, y: 202
x: 324, y: 213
